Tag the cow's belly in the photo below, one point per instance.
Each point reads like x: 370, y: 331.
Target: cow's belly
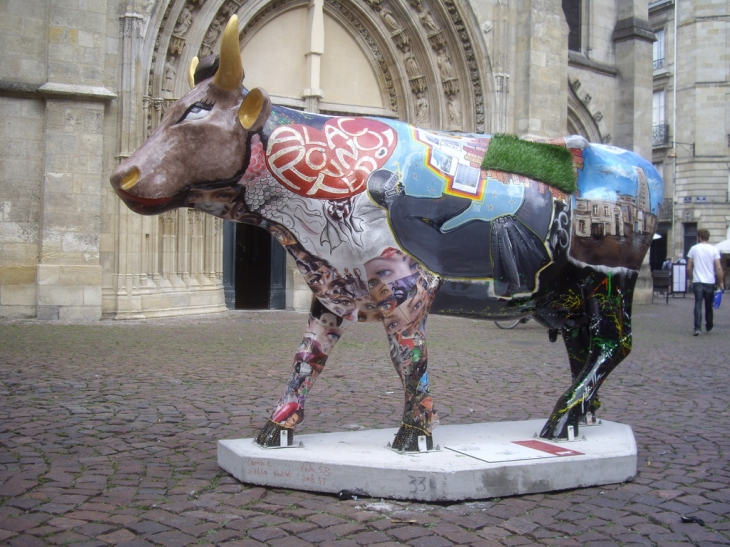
x: 476, y: 299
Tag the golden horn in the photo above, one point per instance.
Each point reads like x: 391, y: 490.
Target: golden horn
x: 191, y: 70
x: 230, y: 72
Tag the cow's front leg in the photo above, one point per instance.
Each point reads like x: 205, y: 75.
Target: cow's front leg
x: 405, y: 325
x: 324, y: 329
x: 402, y: 293
x: 410, y: 358
x: 607, y: 305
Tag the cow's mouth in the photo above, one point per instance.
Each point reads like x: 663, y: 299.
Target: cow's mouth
x: 156, y: 206
x: 148, y: 206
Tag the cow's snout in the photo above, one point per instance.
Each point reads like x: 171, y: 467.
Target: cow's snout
x: 125, y: 181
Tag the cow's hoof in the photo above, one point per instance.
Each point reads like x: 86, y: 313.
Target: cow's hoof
x: 407, y: 439
x: 558, y: 425
x: 594, y: 404
x: 272, y: 435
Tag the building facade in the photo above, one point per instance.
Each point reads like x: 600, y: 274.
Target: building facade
x: 691, y: 121
x: 84, y: 82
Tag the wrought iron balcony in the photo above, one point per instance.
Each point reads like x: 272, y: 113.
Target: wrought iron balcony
x: 660, y: 135
x: 658, y: 63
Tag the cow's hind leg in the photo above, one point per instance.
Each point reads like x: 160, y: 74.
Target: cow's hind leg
x: 578, y: 344
x: 324, y: 329
x: 600, y: 339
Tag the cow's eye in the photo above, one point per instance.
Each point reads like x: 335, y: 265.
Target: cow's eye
x: 196, y: 111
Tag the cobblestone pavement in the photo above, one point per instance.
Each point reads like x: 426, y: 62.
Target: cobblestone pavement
x: 108, y: 433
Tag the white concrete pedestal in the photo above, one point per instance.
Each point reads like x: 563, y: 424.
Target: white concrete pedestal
x: 475, y: 461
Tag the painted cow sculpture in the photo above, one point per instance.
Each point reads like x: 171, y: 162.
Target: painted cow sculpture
x: 377, y: 214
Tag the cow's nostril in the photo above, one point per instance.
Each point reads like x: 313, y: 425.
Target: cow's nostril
x: 130, y: 179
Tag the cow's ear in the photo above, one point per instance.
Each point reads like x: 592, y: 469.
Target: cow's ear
x: 255, y: 109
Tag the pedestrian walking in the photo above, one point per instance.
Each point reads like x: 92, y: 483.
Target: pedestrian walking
x: 704, y: 270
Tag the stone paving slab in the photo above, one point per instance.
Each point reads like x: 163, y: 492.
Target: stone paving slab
x: 108, y: 433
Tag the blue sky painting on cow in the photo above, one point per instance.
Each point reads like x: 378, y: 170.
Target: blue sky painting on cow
x: 377, y: 214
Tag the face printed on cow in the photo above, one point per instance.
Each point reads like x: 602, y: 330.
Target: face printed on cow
x: 406, y: 318
x: 215, y: 201
x: 390, y: 266
x: 282, y: 235
x: 325, y: 330
x: 367, y: 310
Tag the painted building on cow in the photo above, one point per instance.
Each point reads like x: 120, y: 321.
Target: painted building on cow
x: 83, y: 84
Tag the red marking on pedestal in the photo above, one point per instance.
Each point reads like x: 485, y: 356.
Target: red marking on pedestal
x: 549, y: 448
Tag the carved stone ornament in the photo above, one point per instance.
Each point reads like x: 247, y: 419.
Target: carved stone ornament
x: 437, y: 40
x: 418, y: 84
x: 423, y: 117
x: 400, y: 38
x: 427, y: 21
x: 177, y: 43
x: 501, y: 83
x: 451, y: 86
x: 183, y: 22
x: 387, y: 16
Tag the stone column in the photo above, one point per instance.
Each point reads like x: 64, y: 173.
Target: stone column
x: 541, y: 74
x: 315, y: 49
x: 633, y: 40
x: 69, y: 274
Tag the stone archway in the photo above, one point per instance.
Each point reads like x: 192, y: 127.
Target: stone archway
x: 425, y: 55
x: 580, y: 120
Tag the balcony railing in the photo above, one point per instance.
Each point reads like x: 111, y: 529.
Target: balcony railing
x: 658, y: 63
x: 659, y: 135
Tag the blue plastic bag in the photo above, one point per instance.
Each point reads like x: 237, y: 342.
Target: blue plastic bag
x: 718, y: 299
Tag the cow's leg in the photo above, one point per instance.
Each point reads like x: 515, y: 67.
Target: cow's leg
x: 578, y: 343
x: 324, y: 329
x: 606, y: 311
x: 410, y: 358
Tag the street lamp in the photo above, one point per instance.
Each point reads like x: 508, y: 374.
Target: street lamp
x: 673, y: 151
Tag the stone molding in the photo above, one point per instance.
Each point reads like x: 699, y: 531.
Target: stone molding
x: 633, y: 28
x: 76, y: 91
x: 578, y: 59
x: 56, y: 90
x: 22, y: 89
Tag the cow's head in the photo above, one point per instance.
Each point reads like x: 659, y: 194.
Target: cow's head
x: 202, y: 141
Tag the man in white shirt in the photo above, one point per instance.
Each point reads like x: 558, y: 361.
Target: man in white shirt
x: 704, y: 270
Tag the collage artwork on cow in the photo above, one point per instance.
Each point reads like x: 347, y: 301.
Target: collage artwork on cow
x: 319, y: 186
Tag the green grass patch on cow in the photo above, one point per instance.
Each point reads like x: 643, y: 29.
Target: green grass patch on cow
x: 547, y: 163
